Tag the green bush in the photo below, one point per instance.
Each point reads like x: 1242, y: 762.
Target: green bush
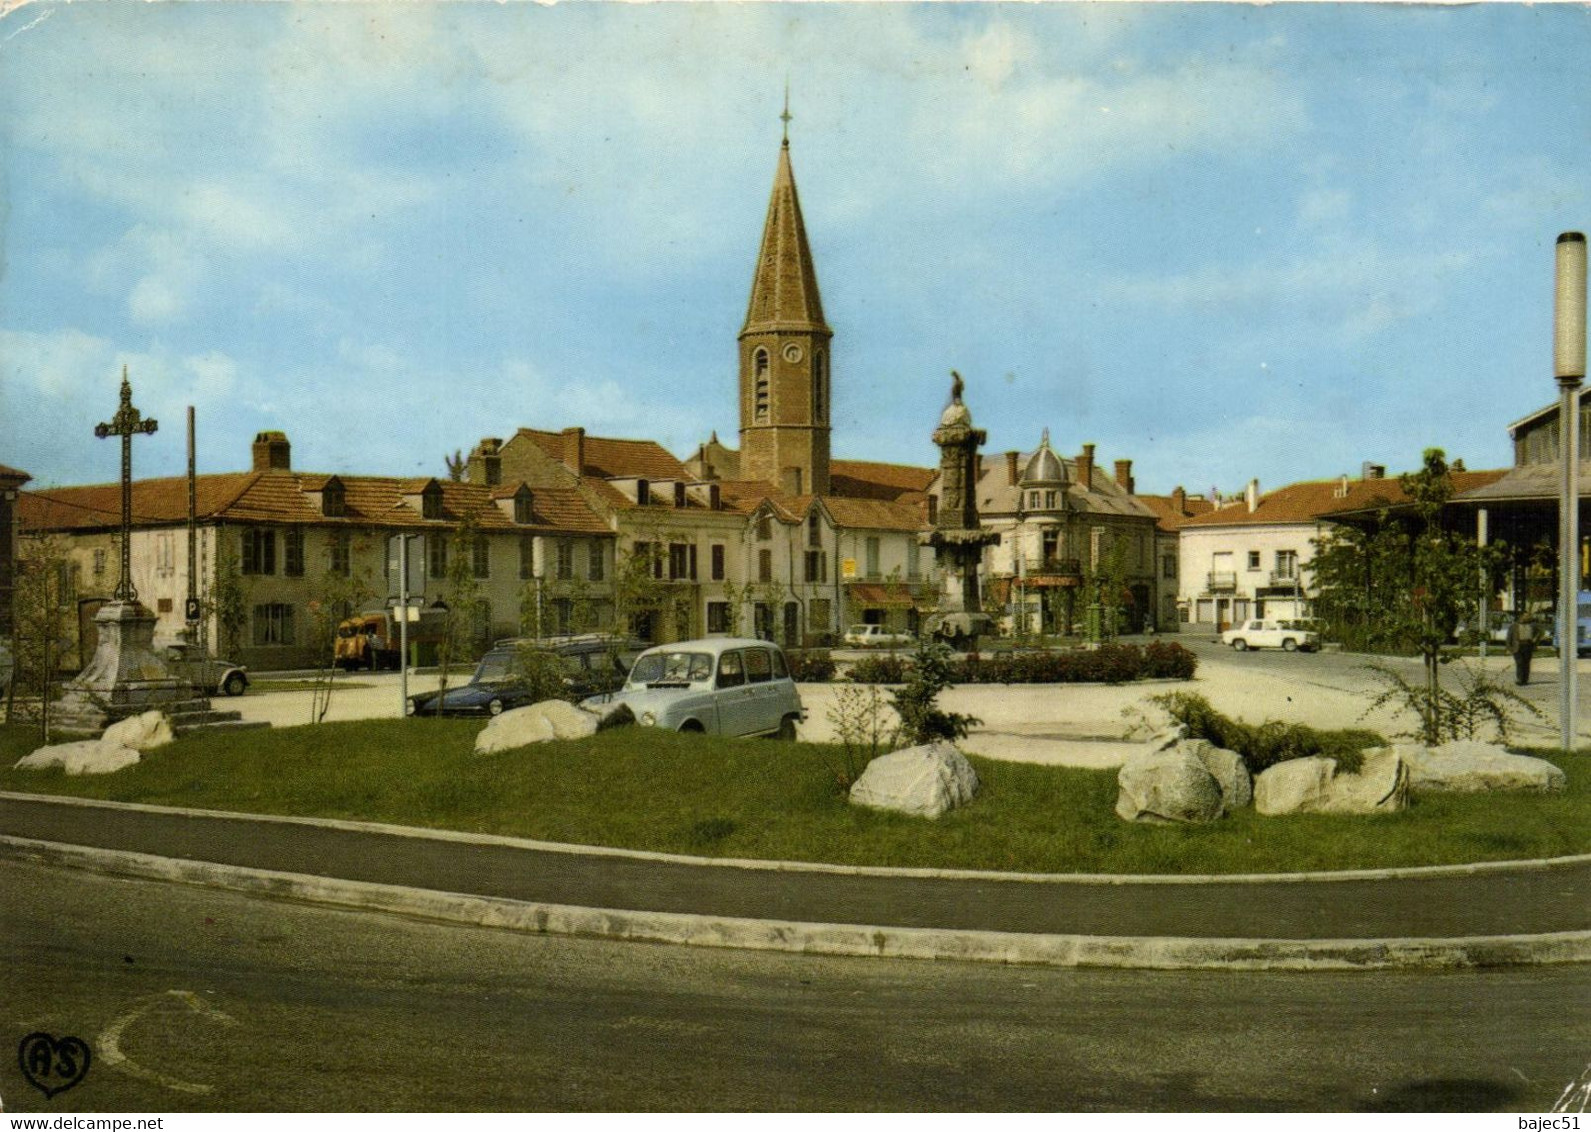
x: 810, y: 666
x: 882, y: 669
x: 1266, y: 744
x: 1108, y: 664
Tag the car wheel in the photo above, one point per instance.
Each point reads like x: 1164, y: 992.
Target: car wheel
x: 787, y: 730
x: 495, y: 707
x: 691, y: 727
x: 1289, y: 645
x: 1240, y: 645
x: 234, y: 684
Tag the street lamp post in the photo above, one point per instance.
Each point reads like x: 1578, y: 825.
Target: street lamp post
x: 1568, y: 363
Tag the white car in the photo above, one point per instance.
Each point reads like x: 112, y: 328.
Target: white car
x: 875, y: 636
x: 720, y: 687
x: 1271, y: 635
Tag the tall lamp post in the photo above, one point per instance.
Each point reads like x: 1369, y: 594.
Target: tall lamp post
x: 1568, y: 364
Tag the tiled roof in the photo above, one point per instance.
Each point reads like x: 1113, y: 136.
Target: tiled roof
x: 611, y: 458
x: 866, y: 479
x: 1165, y: 509
x: 14, y: 474
x: 280, y: 497
x: 1305, y: 502
x: 877, y: 514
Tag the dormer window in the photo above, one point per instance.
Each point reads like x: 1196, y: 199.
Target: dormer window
x: 524, y: 506
x: 679, y: 493
x: 764, y: 528
x: 643, y: 492
x: 333, y: 499
x: 814, y: 530
x: 431, y: 501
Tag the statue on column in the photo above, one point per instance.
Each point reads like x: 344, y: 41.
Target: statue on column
x: 958, y: 537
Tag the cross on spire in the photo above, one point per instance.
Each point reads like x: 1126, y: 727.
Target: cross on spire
x: 127, y: 423
x: 785, y: 117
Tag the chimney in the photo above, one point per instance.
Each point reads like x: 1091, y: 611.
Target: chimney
x: 1085, y: 468
x: 574, y: 450
x: 1371, y: 471
x: 1124, y: 475
x: 272, y: 452
x: 1010, y: 468
x: 486, y: 462
x: 1251, y: 495
x: 1179, y: 501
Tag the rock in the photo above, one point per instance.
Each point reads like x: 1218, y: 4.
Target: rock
x: 1314, y: 786
x: 1167, y: 785
x: 925, y: 781
x: 1228, y: 770
x: 538, y: 723
x: 140, y: 732
x: 1473, y: 768
x: 86, y: 756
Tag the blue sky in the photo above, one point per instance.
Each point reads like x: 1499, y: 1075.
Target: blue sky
x: 1224, y: 241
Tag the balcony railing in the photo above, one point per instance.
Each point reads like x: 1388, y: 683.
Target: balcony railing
x: 1285, y: 578
x: 1220, y: 580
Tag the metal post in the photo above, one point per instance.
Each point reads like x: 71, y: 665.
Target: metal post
x: 403, y: 624
x: 1568, y: 357
x: 190, y: 611
x: 1484, y: 620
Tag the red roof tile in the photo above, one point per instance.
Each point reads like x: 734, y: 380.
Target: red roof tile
x: 611, y: 458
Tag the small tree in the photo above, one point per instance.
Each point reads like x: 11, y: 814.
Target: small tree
x: 1406, y: 584
x: 922, y: 720
x: 461, y: 597
x: 228, y: 601
x: 335, y: 599
x: 44, y: 611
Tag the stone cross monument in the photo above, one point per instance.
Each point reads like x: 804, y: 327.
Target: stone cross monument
x: 126, y: 676
x: 958, y: 537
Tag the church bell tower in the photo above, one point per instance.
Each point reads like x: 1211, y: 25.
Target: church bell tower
x: 784, y: 352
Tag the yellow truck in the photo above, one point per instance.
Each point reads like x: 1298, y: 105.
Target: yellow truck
x: 372, y: 639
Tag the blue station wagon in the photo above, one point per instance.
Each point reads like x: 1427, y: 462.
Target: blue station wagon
x: 722, y: 686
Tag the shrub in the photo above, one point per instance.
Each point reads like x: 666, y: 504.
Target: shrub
x: 887, y: 669
x: 1266, y: 744
x: 922, y: 719
x: 811, y: 666
x: 1167, y: 660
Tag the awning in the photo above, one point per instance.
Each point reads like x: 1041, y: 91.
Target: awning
x: 878, y: 593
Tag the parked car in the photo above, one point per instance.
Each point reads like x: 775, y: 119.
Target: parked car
x: 876, y: 636
x: 209, y: 674
x: 589, y: 665
x: 722, y: 686
x: 1271, y: 634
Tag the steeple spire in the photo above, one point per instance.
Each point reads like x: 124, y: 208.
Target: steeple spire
x: 785, y: 117
x: 784, y: 289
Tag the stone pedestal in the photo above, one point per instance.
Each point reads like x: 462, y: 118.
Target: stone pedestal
x: 126, y: 677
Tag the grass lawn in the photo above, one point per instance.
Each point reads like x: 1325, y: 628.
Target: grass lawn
x: 644, y: 789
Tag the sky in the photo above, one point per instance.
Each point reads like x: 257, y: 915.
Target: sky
x: 1227, y: 242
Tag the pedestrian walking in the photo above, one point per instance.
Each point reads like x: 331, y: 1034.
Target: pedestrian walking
x: 1521, y: 641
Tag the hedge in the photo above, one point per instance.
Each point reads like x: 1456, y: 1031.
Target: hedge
x: 1108, y: 664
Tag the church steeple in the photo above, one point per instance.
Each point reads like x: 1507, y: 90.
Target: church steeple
x: 784, y: 290
x: 784, y: 351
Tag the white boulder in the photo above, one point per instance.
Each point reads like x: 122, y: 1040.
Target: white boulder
x: 86, y: 756
x: 1315, y: 786
x: 1167, y: 784
x: 1228, y: 769
x: 140, y: 732
x: 1473, y: 768
x: 538, y: 723
x: 924, y: 781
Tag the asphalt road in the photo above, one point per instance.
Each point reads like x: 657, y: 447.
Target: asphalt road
x: 1427, y: 906
x: 199, y: 1000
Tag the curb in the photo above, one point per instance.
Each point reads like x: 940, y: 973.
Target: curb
x: 754, y: 864
x: 1148, y: 953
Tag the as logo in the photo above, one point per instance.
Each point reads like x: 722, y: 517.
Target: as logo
x: 53, y: 1065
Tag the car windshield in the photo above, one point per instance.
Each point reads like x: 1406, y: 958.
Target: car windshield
x: 496, y: 666
x: 660, y: 667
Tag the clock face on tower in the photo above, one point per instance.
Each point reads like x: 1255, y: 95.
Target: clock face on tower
x: 792, y: 352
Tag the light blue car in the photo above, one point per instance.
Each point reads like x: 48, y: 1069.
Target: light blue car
x: 722, y: 686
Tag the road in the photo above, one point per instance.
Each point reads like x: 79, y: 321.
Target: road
x: 286, y: 1007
